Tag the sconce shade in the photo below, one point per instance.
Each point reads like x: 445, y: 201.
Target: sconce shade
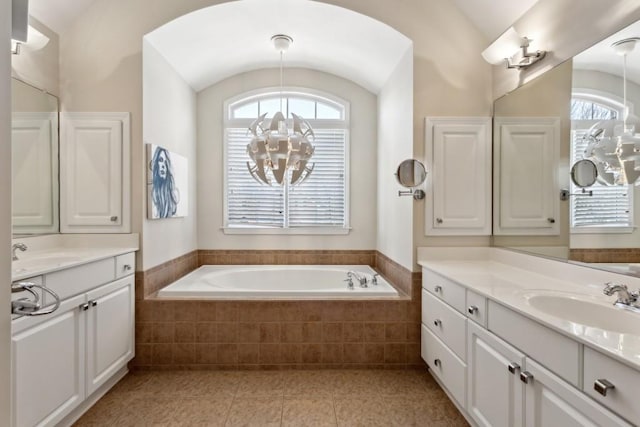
x: 512, y: 49
x: 504, y: 47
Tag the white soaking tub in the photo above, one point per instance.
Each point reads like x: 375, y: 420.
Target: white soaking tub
x: 277, y: 281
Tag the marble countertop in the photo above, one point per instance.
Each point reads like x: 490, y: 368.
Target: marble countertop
x: 35, y: 263
x: 611, y: 330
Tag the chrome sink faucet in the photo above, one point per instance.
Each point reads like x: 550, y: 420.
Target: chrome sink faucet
x: 625, y: 299
x: 15, y: 247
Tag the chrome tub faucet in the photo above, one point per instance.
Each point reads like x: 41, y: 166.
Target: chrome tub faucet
x: 15, y: 247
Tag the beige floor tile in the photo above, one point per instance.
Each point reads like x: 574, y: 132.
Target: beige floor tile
x: 364, y: 411
x: 354, y: 382
x: 201, y: 411
x: 260, y: 383
x: 312, y: 412
x: 255, y: 411
x: 310, y: 383
x: 193, y: 383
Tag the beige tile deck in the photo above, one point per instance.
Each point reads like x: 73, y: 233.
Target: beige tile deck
x: 275, y: 398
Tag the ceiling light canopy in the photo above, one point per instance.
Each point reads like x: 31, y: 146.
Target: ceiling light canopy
x: 274, y: 148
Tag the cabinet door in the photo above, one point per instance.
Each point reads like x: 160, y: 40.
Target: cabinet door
x: 526, y: 177
x: 110, y: 326
x: 47, y: 378
x: 460, y: 185
x: 494, y: 390
x: 95, y: 179
x: 550, y: 401
x: 34, y: 160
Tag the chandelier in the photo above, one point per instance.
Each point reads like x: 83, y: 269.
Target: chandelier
x: 274, y: 148
x: 614, y: 147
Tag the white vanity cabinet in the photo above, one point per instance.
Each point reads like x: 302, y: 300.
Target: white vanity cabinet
x: 95, y: 173
x: 494, y: 390
x: 47, y: 357
x: 515, y: 371
x: 459, y: 160
x: 61, y: 359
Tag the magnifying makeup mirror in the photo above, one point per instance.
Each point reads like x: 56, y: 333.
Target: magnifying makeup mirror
x: 410, y: 174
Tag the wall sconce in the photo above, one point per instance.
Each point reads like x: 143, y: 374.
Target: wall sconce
x: 513, y: 49
x: 35, y: 41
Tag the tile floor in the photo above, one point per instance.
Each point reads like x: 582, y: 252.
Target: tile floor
x: 275, y: 398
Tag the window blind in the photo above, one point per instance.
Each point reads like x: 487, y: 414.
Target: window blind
x: 608, y: 207
x: 320, y: 201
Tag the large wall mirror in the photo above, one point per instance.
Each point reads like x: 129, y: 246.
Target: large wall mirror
x: 578, y: 110
x: 34, y: 160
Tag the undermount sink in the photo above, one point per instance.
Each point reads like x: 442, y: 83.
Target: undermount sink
x: 586, y: 311
x: 46, y: 261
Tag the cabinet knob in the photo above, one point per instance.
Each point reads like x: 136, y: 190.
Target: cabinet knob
x: 526, y: 377
x: 437, y: 362
x: 113, y: 218
x: 437, y: 288
x: 472, y: 309
x: 439, y: 220
x: 94, y: 303
x: 437, y: 322
x: 126, y: 267
x: 513, y: 367
x: 84, y: 307
x: 602, y: 386
x: 551, y: 220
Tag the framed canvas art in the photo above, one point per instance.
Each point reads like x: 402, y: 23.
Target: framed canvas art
x: 167, y: 183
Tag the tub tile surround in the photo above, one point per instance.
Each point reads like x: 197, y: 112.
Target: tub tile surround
x: 190, y: 334
x: 510, y: 278
x: 613, y: 255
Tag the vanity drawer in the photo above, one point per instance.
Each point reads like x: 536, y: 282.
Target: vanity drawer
x: 82, y: 278
x: 555, y: 351
x: 445, y: 289
x: 623, y: 399
x: 444, y: 365
x: 446, y: 323
x: 125, y: 264
x: 477, y: 308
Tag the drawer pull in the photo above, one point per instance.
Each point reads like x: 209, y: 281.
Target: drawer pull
x: 113, y: 218
x: 437, y: 362
x: 526, y: 377
x: 513, y: 367
x: 84, y: 307
x: 472, y: 309
x: 126, y: 267
x: 94, y: 303
x: 602, y: 386
x: 437, y: 322
x: 437, y: 288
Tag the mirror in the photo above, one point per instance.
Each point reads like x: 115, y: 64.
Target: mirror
x: 565, y: 106
x: 34, y: 160
x: 584, y: 173
x: 411, y: 173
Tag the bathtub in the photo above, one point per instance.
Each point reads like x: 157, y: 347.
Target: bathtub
x: 276, y: 281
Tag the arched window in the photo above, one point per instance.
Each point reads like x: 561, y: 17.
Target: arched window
x: 609, y: 209
x: 319, y: 205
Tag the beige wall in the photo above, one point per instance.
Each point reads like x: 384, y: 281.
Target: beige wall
x: 5, y: 211
x: 395, y: 131
x: 100, y: 63
x: 169, y: 121
x: 547, y: 96
x: 39, y: 68
x: 362, y: 140
x: 564, y: 28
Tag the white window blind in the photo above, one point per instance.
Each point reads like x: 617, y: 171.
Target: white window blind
x: 319, y: 201
x: 608, y: 207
